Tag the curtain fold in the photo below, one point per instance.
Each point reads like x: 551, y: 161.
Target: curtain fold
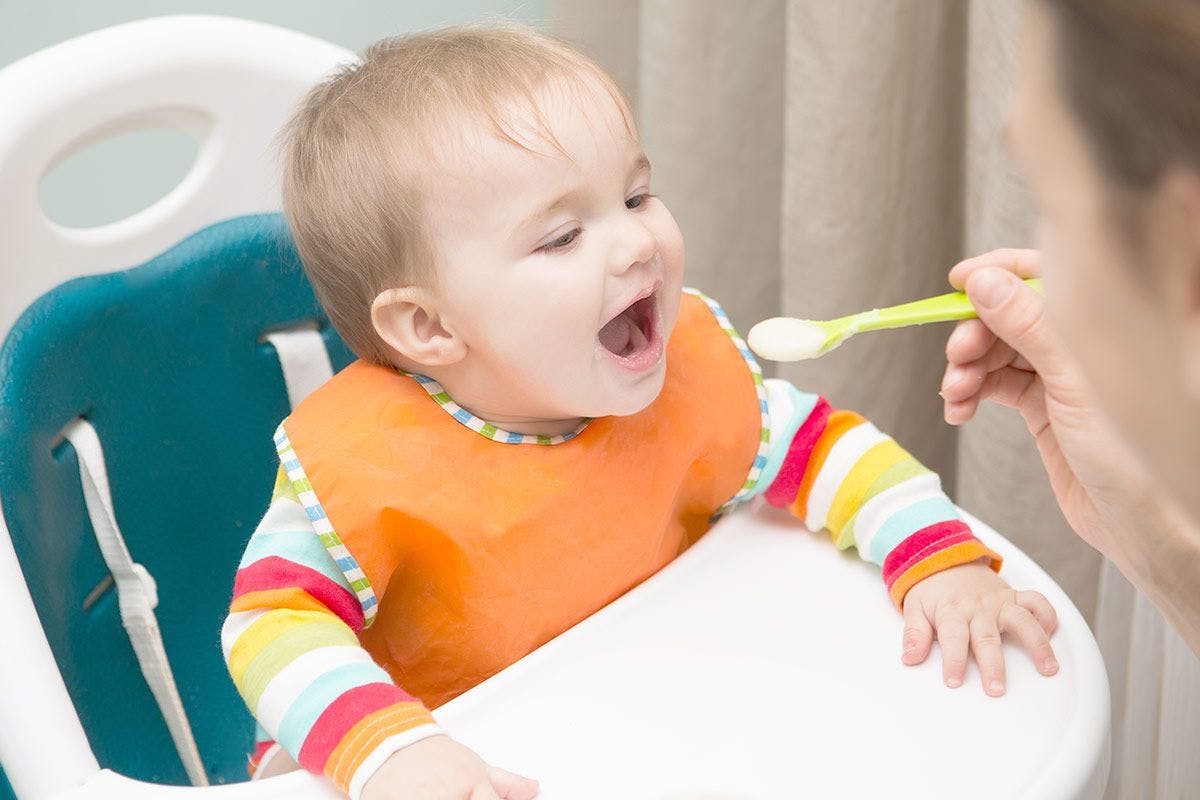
x: 872, y: 210
x: 823, y: 158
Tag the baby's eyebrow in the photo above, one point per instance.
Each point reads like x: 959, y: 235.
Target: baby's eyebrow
x: 536, y: 217
x: 640, y: 164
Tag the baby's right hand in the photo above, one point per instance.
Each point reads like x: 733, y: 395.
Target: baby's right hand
x: 439, y: 768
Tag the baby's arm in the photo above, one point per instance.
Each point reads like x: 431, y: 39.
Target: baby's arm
x: 837, y: 471
x: 292, y: 648
x: 834, y: 470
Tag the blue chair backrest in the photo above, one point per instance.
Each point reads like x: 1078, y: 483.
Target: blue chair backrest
x: 167, y: 362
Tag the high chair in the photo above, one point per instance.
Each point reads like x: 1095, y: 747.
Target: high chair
x: 163, y: 382
x: 137, y: 402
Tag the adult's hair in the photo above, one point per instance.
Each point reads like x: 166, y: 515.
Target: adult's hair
x: 1130, y: 71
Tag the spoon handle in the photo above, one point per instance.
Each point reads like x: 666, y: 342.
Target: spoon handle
x: 943, y: 308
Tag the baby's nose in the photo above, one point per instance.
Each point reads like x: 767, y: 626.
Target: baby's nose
x: 637, y: 246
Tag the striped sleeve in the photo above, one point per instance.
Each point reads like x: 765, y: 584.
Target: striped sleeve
x: 834, y: 470
x: 291, y: 644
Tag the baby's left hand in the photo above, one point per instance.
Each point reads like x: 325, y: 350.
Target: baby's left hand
x: 970, y: 607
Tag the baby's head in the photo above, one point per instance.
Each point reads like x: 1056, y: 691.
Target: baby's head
x: 474, y: 204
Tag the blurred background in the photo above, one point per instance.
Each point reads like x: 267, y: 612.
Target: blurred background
x: 821, y: 158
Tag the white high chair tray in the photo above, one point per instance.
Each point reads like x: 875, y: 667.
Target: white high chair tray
x: 764, y: 664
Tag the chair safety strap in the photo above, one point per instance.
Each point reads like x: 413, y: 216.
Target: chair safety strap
x: 137, y: 595
x: 305, y: 365
x: 303, y: 360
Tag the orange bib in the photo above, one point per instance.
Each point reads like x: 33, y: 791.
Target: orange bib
x: 479, y: 551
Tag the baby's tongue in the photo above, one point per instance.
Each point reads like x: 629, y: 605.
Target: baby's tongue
x: 616, y: 334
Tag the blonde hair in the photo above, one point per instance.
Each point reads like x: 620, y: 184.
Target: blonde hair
x: 353, y: 150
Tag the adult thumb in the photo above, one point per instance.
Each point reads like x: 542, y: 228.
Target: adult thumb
x: 1016, y: 313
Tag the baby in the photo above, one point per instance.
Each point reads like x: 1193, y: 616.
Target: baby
x: 540, y: 419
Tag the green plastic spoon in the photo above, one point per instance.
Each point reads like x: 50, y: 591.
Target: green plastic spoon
x: 791, y: 339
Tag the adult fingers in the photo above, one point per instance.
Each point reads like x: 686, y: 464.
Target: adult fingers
x: 1016, y: 314
x: 971, y: 341
x: 1008, y: 386
x: 1024, y: 263
x: 960, y: 381
x: 968, y: 342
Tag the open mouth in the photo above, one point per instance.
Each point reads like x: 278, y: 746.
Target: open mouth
x: 633, y: 337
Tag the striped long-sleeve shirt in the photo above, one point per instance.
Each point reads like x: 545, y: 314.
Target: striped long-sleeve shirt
x: 291, y: 639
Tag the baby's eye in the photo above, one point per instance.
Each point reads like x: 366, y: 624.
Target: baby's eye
x: 566, y: 240
x: 637, y: 201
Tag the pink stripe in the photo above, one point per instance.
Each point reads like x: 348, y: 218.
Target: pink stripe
x: 926, y: 554
x: 343, y: 714
x: 921, y: 544
x: 782, y: 490
x: 275, y: 572
x: 260, y: 750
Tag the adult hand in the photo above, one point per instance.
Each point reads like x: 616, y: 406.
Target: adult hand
x: 1011, y: 355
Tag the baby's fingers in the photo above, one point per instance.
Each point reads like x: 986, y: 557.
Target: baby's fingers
x: 1040, y: 607
x: 1021, y: 623
x: 918, y: 634
x: 955, y: 640
x: 509, y: 786
x: 985, y: 642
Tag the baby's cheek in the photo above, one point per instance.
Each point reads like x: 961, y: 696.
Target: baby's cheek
x: 674, y: 252
x: 670, y: 310
x: 669, y: 237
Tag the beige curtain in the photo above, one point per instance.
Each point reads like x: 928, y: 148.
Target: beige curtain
x: 823, y: 158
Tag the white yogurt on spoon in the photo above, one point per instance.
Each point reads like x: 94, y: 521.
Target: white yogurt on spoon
x: 788, y: 339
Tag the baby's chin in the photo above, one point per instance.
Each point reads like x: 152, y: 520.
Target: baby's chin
x: 632, y: 400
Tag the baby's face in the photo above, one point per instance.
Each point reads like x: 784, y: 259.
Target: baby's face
x: 560, y: 271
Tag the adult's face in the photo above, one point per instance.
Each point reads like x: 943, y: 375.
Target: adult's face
x: 1122, y: 267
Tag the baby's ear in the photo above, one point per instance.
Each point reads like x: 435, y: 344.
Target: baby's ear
x: 409, y: 320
